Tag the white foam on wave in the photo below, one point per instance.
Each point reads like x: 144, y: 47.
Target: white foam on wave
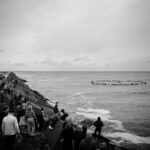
x: 80, y: 95
x: 126, y: 136
x: 103, y: 113
x: 51, y: 103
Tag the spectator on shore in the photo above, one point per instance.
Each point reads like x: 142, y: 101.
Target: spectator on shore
x: 98, y: 126
x: 21, y: 118
x: 64, y: 115
x: 41, y: 118
x: 88, y: 143
x: 10, y: 128
x: 30, y: 119
x: 79, y: 135
x: 56, y: 108
x: 3, y: 113
x: 67, y: 136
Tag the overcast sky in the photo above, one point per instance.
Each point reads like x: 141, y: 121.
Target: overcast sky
x: 97, y: 35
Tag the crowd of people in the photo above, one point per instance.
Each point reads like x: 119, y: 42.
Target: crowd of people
x: 22, y: 120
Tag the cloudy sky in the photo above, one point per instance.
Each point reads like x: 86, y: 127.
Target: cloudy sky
x: 97, y: 35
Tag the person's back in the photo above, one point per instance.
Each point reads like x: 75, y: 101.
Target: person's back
x: 29, y: 114
x: 31, y: 120
x: 10, y: 125
x: 98, y: 124
x: 88, y: 143
x: 67, y: 136
x: 10, y: 128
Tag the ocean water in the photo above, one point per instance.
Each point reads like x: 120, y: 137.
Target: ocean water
x: 125, y: 110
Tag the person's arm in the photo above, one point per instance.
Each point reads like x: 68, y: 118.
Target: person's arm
x: 34, y: 116
x: 16, y: 126
x: 81, y: 145
x: 3, y: 127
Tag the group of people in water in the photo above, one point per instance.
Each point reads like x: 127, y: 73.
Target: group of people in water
x: 24, y: 121
x: 118, y: 82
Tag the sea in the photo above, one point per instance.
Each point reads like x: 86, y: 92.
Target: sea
x: 125, y: 110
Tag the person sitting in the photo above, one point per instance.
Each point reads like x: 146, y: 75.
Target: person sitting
x: 64, y: 115
x: 30, y: 119
x: 10, y: 128
x: 98, y: 125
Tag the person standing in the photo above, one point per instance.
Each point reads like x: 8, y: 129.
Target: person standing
x: 30, y: 119
x: 56, y: 108
x: 67, y: 136
x: 98, y: 126
x: 2, y: 115
x: 10, y: 129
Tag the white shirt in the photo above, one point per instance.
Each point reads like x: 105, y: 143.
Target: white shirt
x: 10, y: 125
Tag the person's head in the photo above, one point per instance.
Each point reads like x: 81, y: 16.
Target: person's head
x: 42, y: 108
x: 5, y: 108
x: 11, y: 109
x: 62, y: 110
x: 99, y: 118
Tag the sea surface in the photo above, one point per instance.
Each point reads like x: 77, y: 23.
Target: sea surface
x: 125, y: 110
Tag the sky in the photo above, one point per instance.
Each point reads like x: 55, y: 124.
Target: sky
x: 74, y: 35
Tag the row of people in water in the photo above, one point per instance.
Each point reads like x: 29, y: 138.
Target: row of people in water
x: 103, y: 82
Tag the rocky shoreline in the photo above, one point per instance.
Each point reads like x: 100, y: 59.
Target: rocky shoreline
x: 11, y: 85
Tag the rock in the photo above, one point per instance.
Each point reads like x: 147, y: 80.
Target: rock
x: 14, y: 85
x: 87, y: 122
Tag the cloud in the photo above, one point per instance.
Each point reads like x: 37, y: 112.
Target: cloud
x: 81, y: 59
x: 74, y: 33
x: 19, y: 64
x: 2, y: 50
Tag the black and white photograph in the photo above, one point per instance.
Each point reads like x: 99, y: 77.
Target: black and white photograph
x: 74, y: 74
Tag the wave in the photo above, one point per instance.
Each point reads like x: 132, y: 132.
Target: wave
x: 129, y: 137
x: 103, y: 113
x: 120, y: 132
x: 78, y: 94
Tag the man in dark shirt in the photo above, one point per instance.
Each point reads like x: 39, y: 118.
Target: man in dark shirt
x: 64, y: 115
x: 98, y: 125
x: 56, y: 108
x: 2, y: 115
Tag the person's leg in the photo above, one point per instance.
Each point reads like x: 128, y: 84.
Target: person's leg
x: 12, y: 142
x: 32, y: 127
x: 5, y: 143
x: 9, y: 142
x: 95, y: 132
x: 29, y: 126
x: 99, y: 131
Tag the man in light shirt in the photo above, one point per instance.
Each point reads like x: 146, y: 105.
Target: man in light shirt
x: 10, y: 128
